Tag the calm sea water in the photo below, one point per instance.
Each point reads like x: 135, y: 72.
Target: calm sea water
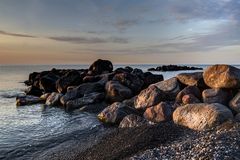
x: 31, y: 130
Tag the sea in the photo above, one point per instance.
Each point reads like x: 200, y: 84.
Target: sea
x: 27, y: 132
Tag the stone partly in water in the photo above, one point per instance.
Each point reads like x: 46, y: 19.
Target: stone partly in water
x: 82, y: 89
x: 34, y: 91
x: 131, y: 121
x: 100, y: 66
x: 216, y: 96
x: 116, y: 92
x: 169, y: 88
x: 72, y: 78
x: 28, y: 100
x: 114, y: 113
x: 234, y: 104
x: 148, y: 97
x: 53, y: 99
x: 201, y: 116
x: 222, y: 76
x: 130, y: 80
x: 85, y: 100
x: 159, y: 113
x: 190, y: 79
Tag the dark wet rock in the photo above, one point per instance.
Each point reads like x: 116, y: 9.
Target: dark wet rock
x: 116, y: 92
x: 132, y: 120
x: 100, y: 66
x: 216, y: 96
x: 124, y: 70
x: 169, y: 88
x: 190, y: 79
x: 34, y: 91
x: 173, y: 68
x: 130, y: 102
x: 72, y: 78
x: 189, y: 90
x: 237, y: 117
x: 159, y: 113
x: 148, y: 97
x: 234, y: 104
x: 222, y: 76
x: 94, y: 107
x: 48, y: 82
x: 89, y: 98
x: 115, y: 113
x: 201, y: 116
x: 28, y: 100
x: 190, y: 99
x: 129, y: 80
x: 150, y: 78
x: 53, y: 99
x: 82, y: 89
x: 138, y: 72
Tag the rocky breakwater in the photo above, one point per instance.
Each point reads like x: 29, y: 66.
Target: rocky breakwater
x: 165, y: 68
x: 90, y: 90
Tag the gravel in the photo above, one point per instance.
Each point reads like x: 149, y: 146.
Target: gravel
x: 220, y: 143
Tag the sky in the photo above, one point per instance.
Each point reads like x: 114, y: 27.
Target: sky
x: 123, y: 31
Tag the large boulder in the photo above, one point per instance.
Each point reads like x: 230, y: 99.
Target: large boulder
x: 190, y: 79
x: 28, y: 100
x: 190, y: 99
x: 189, y: 90
x: 131, y: 121
x: 115, y: 113
x: 201, y: 116
x: 48, y: 82
x: 116, y: 92
x: 94, y: 107
x: 53, y: 99
x: 170, y: 88
x: 85, y: 100
x: 138, y: 72
x: 34, y: 91
x: 72, y: 78
x: 222, y: 76
x: 159, y: 113
x: 234, y: 104
x: 216, y: 96
x: 100, y: 66
x: 82, y: 89
x: 148, y: 97
x: 129, y: 80
x: 150, y: 78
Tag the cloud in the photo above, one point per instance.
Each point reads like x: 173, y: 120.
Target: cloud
x: 84, y: 40
x: 124, y: 24
x: 16, y: 34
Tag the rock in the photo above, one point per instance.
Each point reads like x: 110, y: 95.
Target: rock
x: 216, y: 96
x: 169, y: 88
x: 34, y: 91
x: 127, y: 69
x: 165, y: 68
x: 159, y: 113
x: 85, y: 100
x: 82, y: 89
x: 138, y: 72
x: 130, y: 102
x: 94, y: 107
x: 148, y: 97
x: 190, y: 99
x: 53, y: 99
x: 72, y: 78
x: 100, y: 66
x: 129, y: 80
x: 131, y: 121
x: 234, y: 104
x: 189, y: 90
x: 201, y: 116
x: 45, y: 96
x: 150, y: 78
x: 116, y: 92
x: 48, y: 83
x: 222, y: 76
x: 28, y: 100
x: 190, y: 79
x: 237, y: 117
x: 115, y: 113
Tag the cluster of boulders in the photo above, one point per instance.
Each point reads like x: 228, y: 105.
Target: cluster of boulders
x: 165, y: 68
x: 91, y: 89
x: 199, y: 100
x: 129, y: 97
